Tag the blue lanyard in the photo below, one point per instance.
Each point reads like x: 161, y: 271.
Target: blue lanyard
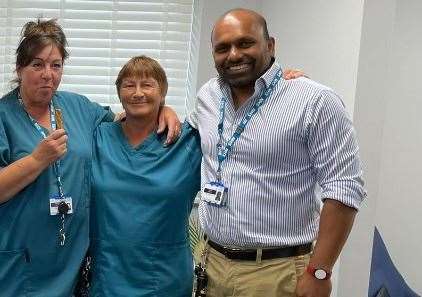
x: 40, y: 130
x: 223, y: 151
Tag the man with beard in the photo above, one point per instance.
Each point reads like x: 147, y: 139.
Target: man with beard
x: 267, y: 143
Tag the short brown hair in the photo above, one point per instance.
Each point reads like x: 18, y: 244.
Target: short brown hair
x: 143, y: 66
x: 35, y: 36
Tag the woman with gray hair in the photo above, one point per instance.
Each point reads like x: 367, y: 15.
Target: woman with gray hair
x: 142, y: 194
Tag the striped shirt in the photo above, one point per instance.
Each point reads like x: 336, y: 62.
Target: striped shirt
x: 299, y: 141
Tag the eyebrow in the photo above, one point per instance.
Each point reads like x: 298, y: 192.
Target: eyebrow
x: 127, y: 81
x: 131, y: 80
x: 240, y: 39
x: 36, y: 58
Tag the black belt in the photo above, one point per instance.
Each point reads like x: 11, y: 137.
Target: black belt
x: 267, y: 253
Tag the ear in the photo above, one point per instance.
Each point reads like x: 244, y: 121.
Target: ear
x: 271, y: 46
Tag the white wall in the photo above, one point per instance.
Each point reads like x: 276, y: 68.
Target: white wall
x: 399, y: 203
x: 388, y: 121
x: 322, y: 37
x: 369, y: 115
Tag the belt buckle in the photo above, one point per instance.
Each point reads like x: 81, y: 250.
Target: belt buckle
x: 230, y: 252
x: 235, y: 250
x: 243, y: 254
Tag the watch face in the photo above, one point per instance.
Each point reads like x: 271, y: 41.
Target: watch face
x: 320, y: 274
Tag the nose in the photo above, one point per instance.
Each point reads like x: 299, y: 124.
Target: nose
x: 139, y: 91
x: 46, y: 73
x: 234, y: 54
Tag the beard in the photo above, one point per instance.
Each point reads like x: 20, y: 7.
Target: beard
x: 240, y: 82
x: 242, y: 77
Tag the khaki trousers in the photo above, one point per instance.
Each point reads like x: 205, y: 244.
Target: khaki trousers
x: 266, y: 278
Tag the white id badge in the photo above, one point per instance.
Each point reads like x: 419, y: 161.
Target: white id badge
x: 214, y: 193
x: 54, y: 205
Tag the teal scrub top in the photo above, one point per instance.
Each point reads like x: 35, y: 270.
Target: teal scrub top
x: 142, y: 198
x: 32, y: 263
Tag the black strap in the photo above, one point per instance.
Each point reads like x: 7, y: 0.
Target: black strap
x: 270, y: 253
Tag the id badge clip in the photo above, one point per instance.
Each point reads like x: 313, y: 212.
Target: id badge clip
x: 56, y: 206
x: 214, y: 193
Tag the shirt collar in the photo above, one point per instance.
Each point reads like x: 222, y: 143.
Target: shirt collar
x: 269, y: 75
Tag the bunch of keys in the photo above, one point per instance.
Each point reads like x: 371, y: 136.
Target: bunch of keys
x: 201, y: 274
x: 63, y: 209
x: 201, y: 281
x: 59, y: 118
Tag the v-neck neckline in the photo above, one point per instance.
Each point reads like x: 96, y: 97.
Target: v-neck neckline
x: 140, y: 147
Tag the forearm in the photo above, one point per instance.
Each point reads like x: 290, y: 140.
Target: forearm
x: 336, y: 221
x: 18, y: 175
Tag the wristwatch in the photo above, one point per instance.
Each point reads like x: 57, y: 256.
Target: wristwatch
x: 318, y: 273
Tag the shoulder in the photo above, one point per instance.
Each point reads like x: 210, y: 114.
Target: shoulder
x: 188, y: 130
x: 72, y: 101
x: 107, y: 128
x: 8, y: 98
x: 107, y: 134
x: 209, y: 96
x: 307, y: 86
x: 9, y: 105
x: 310, y: 91
x: 80, y: 104
x: 72, y: 97
x: 189, y: 139
x: 210, y: 88
x: 190, y: 143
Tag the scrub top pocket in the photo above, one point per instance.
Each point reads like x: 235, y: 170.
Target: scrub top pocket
x: 174, y: 266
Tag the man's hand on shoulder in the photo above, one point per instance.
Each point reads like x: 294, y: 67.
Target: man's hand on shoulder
x: 309, y: 286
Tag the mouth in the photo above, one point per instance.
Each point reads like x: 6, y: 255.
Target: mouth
x: 238, y: 68
x: 138, y: 102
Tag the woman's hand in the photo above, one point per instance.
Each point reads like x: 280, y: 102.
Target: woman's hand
x: 293, y: 73
x: 167, y: 118
x: 119, y: 116
x: 21, y: 173
x: 51, y: 148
